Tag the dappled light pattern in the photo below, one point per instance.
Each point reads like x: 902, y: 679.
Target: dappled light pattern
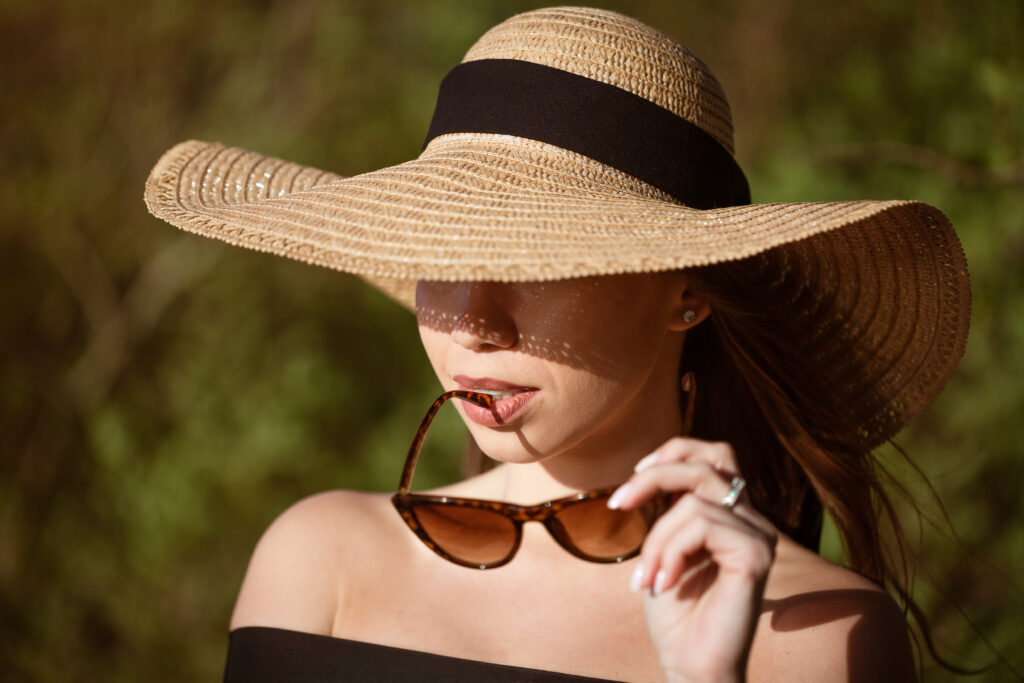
x: 562, y: 329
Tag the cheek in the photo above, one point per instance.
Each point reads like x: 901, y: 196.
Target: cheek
x: 434, y: 344
x: 612, y: 328
x: 585, y: 399
x: 618, y: 348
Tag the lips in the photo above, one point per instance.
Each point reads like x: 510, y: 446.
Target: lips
x: 488, y: 384
x: 514, y: 399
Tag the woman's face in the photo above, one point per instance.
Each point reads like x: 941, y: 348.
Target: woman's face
x: 593, y: 361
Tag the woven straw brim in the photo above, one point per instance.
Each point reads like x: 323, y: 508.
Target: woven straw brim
x: 879, y: 288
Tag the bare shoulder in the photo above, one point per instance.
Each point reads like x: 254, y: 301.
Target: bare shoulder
x: 294, y: 577
x: 822, y: 622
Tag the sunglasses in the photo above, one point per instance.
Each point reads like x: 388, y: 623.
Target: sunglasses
x: 484, y: 534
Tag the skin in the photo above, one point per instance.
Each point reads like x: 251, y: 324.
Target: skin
x: 719, y: 594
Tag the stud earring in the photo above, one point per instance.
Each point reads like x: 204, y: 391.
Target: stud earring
x: 689, y: 315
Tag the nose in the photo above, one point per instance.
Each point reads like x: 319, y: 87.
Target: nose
x: 483, y: 321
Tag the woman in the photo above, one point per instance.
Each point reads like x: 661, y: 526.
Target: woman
x: 669, y: 364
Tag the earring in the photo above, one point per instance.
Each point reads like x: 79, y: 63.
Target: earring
x: 689, y: 315
x: 686, y: 381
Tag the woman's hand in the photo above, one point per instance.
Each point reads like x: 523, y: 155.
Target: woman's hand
x: 703, y: 564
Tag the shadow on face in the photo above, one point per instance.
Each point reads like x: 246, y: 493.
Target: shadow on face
x: 594, y: 324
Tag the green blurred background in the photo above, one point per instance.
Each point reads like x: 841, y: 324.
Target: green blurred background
x: 163, y: 397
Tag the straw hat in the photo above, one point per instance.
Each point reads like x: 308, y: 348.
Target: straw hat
x: 573, y: 142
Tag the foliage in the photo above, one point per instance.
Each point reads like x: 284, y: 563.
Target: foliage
x: 162, y: 398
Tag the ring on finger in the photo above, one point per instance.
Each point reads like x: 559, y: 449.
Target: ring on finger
x: 736, y: 487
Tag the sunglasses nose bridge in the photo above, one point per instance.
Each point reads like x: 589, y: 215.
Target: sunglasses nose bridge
x: 534, y: 513
x: 547, y: 514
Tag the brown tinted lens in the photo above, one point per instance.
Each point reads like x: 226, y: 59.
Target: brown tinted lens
x: 470, y: 534
x: 601, y: 533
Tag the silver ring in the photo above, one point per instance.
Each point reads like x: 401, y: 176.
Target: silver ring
x: 737, y: 485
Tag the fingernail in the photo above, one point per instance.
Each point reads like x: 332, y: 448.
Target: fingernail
x: 637, y: 578
x: 659, y: 582
x: 620, y: 495
x: 646, y: 462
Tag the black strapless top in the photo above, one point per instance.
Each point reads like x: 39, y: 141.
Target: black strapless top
x: 257, y: 654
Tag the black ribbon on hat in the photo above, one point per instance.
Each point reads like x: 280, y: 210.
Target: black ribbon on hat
x: 598, y: 120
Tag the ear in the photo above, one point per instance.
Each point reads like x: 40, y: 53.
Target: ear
x: 689, y: 310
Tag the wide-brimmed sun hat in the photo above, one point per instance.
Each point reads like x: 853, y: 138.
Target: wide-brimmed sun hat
x: 573, y: 142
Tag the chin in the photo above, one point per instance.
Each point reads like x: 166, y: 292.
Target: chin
x: 510, y: 447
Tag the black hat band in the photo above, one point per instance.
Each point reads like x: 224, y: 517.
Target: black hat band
x: 595, y: 119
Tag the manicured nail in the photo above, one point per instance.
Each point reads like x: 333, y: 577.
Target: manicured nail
x: 659, y: 582
x: 646, y: 462
x: 637, y: 578
x: 620, y: 495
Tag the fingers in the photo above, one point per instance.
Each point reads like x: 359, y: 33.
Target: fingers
x: 683, y: 465
x: 717, y: 454
x: 739, y: 540
x: 680, y: 465
x: 679, y: 477
x: 695, y: 530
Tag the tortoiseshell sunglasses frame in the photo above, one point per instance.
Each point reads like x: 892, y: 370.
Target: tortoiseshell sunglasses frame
x: 406, y: 502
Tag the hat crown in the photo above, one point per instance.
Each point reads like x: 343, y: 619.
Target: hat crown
x: 615, y: 49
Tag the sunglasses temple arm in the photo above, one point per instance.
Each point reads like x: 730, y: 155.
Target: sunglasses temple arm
x: 482, y: 400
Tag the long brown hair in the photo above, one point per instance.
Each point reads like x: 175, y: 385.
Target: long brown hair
x: 759, y: 391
